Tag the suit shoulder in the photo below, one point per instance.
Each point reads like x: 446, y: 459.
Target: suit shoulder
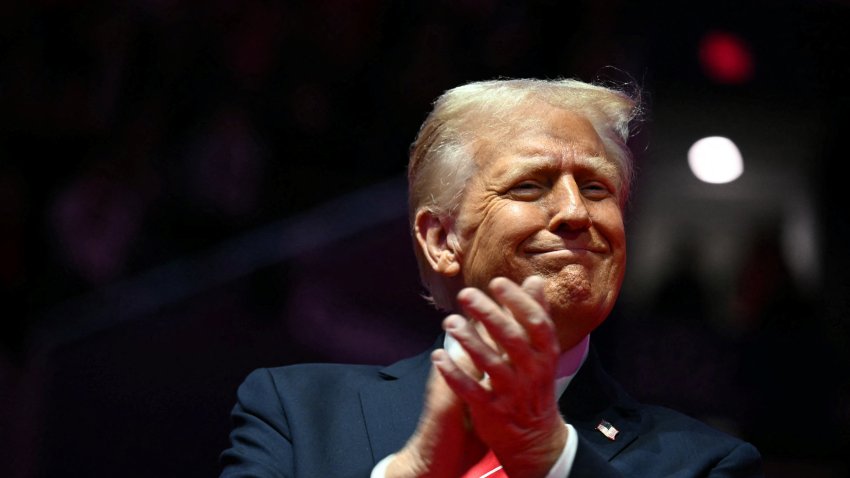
x: 674, y: 424
x: 323, y: 368
x: 306, y: 383
x: 320, y: 374
x: 693, y: 444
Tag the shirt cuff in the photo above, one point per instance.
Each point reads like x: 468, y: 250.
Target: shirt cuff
x: 560, y: 469
x: 380, y: 470
x: 564, y: 465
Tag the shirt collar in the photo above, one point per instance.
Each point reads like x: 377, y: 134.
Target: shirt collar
x: 569, y: 363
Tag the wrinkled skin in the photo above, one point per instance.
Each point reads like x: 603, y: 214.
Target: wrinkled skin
x: 547, y: 202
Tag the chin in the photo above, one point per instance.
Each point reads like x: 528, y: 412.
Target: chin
x: 574, y: 302
x: 571, y: 284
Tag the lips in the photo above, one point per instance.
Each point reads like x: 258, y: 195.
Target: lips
x: 563, y: 249
x: 569, y: 247
x: 561, y: 257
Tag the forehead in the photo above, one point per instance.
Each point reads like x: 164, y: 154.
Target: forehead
x: 539, y: 130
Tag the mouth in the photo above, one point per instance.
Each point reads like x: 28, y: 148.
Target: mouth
x: 551, y: 247
x: 575, y: 253
x: 560, y: 255
x: 561, y: 249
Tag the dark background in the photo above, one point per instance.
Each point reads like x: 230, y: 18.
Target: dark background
x: 191, y: 190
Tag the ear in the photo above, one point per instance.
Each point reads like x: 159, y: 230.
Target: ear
x: 436, y: 240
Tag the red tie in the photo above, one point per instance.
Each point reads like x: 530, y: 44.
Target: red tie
x: 488, y: 467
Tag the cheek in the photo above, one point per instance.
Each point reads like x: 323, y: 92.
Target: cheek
x: 499, y: 233
x: 518, y: 220
x: 617, y: 262
x: 608, y: 220
x: 613, y: 281
x: 509, y: 226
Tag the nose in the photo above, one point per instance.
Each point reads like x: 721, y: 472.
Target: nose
x: 568, y: 206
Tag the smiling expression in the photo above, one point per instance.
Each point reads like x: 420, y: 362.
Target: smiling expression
x: 546, y: 201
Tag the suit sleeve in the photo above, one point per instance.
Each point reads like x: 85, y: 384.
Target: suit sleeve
x: 260, y: 443
x: 744, y: 461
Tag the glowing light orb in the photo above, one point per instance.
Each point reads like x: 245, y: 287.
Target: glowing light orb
x: 726, y: 58
x: 715, y: 160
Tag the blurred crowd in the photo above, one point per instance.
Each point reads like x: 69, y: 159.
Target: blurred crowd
x: 136, y: 134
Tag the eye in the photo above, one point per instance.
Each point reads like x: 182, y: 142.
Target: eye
x: 526, y: 191
x: 595, y: 190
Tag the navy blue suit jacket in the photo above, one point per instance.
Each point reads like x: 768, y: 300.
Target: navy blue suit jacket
x: 327, y: 420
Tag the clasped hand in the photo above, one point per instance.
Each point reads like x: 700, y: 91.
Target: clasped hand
x: 500, y: 394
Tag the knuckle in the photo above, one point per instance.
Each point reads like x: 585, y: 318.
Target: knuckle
x: 514, y: 338
x: 542, y: 324
x: 491, y: 361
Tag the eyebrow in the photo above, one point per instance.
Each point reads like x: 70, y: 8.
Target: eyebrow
x: 536, y: 158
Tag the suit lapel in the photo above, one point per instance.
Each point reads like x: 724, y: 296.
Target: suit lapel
x: 392, y: 405
x: 593, y: 397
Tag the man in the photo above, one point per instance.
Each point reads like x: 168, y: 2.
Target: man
x: 517, y: 189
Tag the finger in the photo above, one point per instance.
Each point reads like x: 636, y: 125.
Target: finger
x: 526, y: 368
x: 528, y: 311
x: 483, y: 356
x: 535, y: 285
x: 503, y: 329
x: 467, y: 388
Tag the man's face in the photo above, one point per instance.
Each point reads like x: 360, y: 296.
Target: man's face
x: 545, y: 201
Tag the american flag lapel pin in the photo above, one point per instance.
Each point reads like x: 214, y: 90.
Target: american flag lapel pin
x: 607, y: 429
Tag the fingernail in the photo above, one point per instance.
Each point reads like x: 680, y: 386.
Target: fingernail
x: 467, y: 294
x: 498, y: 284
x: 452, y: 323
x: 533, y: 281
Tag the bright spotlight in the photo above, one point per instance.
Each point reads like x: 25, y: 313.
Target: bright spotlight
x: 715, y: 160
